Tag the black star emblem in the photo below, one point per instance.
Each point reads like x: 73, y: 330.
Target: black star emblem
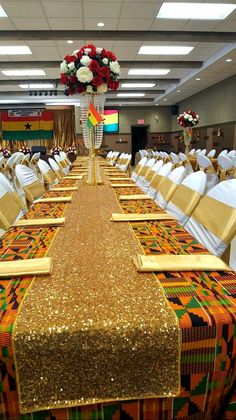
x: 28, y: 126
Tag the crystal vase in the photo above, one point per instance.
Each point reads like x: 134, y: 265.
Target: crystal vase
x: 188, y: 132
x: 92, y: 137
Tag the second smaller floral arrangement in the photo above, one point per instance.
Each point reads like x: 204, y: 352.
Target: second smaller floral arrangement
x: 71, y: 150
x: 56, y: 150
x: 25, y: 150
x: 5, y: 152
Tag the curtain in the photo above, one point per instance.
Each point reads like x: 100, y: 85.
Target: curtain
x: 64, y: 128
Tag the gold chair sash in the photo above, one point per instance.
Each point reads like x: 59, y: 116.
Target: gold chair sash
x: 217, y: 217
x: 156, y: 180
x: 9, y: 210
x: 34, y: 190
x: 150, y: 175
x: 161, y: 263
x: 185, y: 199
x: 167, y: 188
x: 49, y: 177
x: 144, y: 170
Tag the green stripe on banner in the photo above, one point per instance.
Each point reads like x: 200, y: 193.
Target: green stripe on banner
x: 28, y: 135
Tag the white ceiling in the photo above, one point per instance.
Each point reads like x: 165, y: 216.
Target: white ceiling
x: 119, y: 15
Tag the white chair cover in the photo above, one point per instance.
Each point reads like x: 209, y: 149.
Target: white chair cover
x: 211, y: 154
x: 225, y: 192
x: 165, y: 170
x: 186, y: 163
x: 192, y: 152
x: 156, y: 168
x: 59, y: 161
x: 5, y: 182
x: 206, y: 165
x: 176, y: 176
x: 231, y: 154
x: 44, y: 168
x: 174, y: 157
x: 196, y: 182
x: 142, y: 162
x: 203, y: 151
x: 141, y: 178
x: 223, y: 153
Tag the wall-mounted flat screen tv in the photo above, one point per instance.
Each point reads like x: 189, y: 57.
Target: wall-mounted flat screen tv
x: 111, y: 121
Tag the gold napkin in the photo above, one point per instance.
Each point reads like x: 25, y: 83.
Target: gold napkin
x: 130, y: 217
x: 135, y: 197
x: 54, y: 200
x: 195, y: 262
x: 59, y: 221
x: 64, y: 189
x: 123, y: 185
x: 34, y: 266
x: 73, y: 177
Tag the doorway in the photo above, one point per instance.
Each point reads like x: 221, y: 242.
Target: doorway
x: 139, y: 137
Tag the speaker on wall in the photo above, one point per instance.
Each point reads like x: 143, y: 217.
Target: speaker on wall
x: 41, y: 149
x: 174, y: 110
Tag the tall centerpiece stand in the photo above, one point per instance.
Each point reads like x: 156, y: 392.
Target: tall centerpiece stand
x: 91, y: 72
x: 187, y: 120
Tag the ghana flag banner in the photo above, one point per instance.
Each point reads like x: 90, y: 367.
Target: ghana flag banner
x: 27, y: 125
x: 94, y: 117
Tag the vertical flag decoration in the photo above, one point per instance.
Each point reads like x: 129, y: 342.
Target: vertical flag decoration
x: 94, y: 117
x: 27, y: 125
x: 111, y: 121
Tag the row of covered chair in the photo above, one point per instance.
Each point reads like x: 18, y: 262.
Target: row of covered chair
x: 121, y: 161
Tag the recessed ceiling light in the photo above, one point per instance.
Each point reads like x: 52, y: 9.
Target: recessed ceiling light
x: 16, y: 50
x: 228, y: 60
x: 130, y: 95
x: 70, y: 41
x: 37, y: 86
x: 178, y: 91
x: 165, y: 99
x: 150, y: 72
x: 138, y: 85
x: 156, y: 104
x: 2, y: 12
x: 164, y: 50
x: 198, y: 78
x: 23, y: 72
x: 207, y: 11
x: 100, y: 24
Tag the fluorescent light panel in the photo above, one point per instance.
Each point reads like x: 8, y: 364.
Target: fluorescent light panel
x: 37, y: 86
x: 195, y: 11
x: 2, y: 12
x: 130, y: 95
x: 137, y: 85
x: 14, y: 50
x: 23, y: 72
x: 162, y: 50
x: 148, y: 72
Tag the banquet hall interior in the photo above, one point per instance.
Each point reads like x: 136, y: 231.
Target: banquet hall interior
x: 117, y: 210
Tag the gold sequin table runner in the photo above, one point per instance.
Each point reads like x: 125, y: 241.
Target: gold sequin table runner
x: 95, y: 330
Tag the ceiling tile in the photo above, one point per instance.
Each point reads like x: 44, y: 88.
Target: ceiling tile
x: 66, y: 9
x: 21, y: 9
x: 101, y: 10
x: 139, y: 10
x: 30, y: 23
x: 69, y: 23
x: 5, y: 24
x: 134, y: 24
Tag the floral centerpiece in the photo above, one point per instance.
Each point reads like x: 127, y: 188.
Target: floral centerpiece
x: 5, y: 152
x: 187, y: 120
x: 71, y: 150
x: 90, y: 70
x: 25, y: 150
x: 56, y: 150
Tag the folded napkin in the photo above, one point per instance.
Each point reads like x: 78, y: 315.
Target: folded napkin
x: 64, y: 189
x: 54, y: 200
x: 130, y: 217
x: 34, y: 266
x: 135, y: 197
x: 165, y: 262
x: 59, y: 221
x: 120, y: 179
x: 123, y: 185
x: 73, y: 177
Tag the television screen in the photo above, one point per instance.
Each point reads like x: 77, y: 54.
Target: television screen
x: 111, y: 121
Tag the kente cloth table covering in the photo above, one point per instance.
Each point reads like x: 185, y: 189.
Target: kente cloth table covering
x: 205, y: 306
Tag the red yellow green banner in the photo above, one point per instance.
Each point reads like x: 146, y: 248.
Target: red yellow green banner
x: 94, y: 117
x: 27, y: 127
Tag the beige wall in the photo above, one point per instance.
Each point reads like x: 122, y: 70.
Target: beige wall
x: 215, y: 105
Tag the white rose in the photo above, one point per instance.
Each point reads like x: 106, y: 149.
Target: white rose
x: 63, y: 67
x: 85, y: 60
x: 190, y: 118
x: 186, y: 116
x: 87, y: 51
x: 115, y: 67
x: 75, y: 52
x: 71, y: 66
x: 99, y: 50
x: 105, y: 60
x: 89, y: 89
x: 84, y: 75
x: 102, y: 88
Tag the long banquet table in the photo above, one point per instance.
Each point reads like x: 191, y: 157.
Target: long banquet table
x: 95, y: 308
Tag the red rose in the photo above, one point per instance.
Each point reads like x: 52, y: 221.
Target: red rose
x: 63, y: 79
x: 79, y: 55
x: 94, y: 66
x: 70, y: 58
x: 97, y: 81
x: 92, y: 53
x: 92, y: 46
x: 111, y: 56
x: 80, y: 89
x: 73, y: 79
x: 70, y: 91
x: 104, y: 72
x: 104, y: 53
x: 113, y: 84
